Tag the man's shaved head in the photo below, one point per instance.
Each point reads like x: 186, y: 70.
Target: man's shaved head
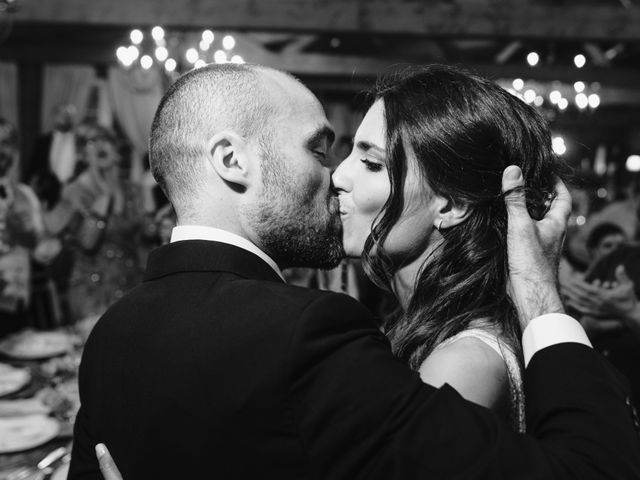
x: 240, y: 98
x: 292, y: 214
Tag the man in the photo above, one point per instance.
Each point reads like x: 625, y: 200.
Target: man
x: 214, y: 368
x: 53, y: 161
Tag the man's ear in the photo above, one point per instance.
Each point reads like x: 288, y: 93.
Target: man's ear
x: 450, y: 214
x: 229, y: 157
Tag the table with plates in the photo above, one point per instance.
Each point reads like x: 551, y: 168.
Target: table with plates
x: 38, y: 402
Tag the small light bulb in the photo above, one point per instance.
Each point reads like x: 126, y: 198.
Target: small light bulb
x: 237, y: 59
x: 157, y: 33
x: 220, y: 56
x: 518, y: 84
x: 228, y: 42
x: 162, y: 54
x: 579, y: 87
x: 558, y: 145
x: 192, y: 55
x: 529, y: 96
x: 136, y: 36
x: 582, y: 101
x: 533, y: 58
x: 633, y: 163
x: 122, y: 54
x: 594, y: 100
x: 170, y: 65
x: 134, y: 53
x: 146, y: 62
x: 579, y: 60
x: 207, y: 36
x: 555, y: 96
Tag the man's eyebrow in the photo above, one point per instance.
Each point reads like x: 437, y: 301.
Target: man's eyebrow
x: 323, y: 133
x: 366, y: 146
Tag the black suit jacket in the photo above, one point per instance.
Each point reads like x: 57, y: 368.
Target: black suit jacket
x: 39, y: 161
x: 214, y: 368
x: 39, y: 175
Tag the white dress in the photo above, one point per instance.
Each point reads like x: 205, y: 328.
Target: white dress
x: 514, y: 371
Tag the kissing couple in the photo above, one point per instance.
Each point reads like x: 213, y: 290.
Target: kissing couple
x: 214, y: 367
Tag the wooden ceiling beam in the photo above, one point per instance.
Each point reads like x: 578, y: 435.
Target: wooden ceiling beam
x: 350, y: 69
x: 451, y: 18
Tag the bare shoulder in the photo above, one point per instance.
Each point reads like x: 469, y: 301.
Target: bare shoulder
x: 470, y: 366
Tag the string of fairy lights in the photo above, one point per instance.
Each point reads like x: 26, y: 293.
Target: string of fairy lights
x: 176, y: 52
x: 556, y: 97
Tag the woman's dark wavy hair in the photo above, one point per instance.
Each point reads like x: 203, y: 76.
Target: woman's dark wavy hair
x: 463, y: 130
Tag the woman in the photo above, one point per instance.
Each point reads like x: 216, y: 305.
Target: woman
x: 420, y: 200
x: 100, y: 216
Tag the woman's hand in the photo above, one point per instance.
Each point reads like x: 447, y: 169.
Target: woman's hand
x: 108, y: 467
x: 46, y: 250
x: 533, y: 248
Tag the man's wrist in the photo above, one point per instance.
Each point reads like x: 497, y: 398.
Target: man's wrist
x: 536, y: 299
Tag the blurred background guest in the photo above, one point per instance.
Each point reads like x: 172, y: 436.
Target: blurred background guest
x: 54, y: 157
x: 607, y: 299
x: 604, y: 239
x: 100, y: 216
x: 21, y: 237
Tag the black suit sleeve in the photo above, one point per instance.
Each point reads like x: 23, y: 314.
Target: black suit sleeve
x: 84, y: 463
x: 362, y: 414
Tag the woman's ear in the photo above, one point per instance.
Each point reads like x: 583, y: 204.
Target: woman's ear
x: 449, y: 214
x: 229, y: 158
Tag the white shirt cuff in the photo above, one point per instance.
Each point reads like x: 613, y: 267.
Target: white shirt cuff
x: 551, y: 329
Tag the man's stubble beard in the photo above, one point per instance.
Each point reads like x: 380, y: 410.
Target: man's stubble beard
x: 292, y: 229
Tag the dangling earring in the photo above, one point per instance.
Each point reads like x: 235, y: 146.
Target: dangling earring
x: 439, y: 225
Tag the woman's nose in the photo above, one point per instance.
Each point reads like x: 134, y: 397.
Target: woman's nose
x: 341, y: 178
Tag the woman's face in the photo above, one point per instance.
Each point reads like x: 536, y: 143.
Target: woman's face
x: 100, y: 152
x: 363, y: 185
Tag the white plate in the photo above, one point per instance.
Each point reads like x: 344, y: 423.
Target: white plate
x: 12, y: 379
x: 60, y: 473
x: 30, y: 345
x: 29, y: 431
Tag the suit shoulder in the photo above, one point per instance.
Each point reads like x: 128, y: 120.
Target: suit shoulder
x: 298, y: 297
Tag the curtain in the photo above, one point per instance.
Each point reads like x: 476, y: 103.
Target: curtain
x: 134, y: 95
x: 9, y: 92
x: 104, y: 113
x: 65, y: 84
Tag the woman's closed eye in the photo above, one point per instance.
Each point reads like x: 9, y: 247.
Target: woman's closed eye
x: 372, y: 166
